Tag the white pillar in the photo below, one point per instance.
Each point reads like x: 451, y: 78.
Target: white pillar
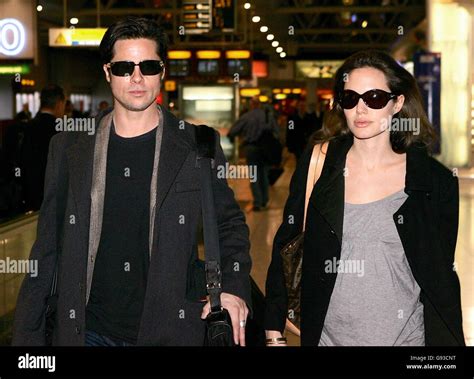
x: 451, y: 34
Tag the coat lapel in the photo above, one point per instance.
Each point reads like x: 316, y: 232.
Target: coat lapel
x: 80, y: 158
x: 173, y: 154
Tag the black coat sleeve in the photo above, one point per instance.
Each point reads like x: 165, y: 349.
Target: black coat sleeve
x: 449, y: 222
x: 233, y: 235
x: 276, y: 299
x: 29, y: 321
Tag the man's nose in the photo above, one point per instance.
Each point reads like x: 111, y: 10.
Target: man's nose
x: 136, y: 75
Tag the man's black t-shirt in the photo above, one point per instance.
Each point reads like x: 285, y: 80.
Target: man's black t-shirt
x: 120, y: 273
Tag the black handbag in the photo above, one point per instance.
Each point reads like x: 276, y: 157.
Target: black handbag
x: 219, y: 330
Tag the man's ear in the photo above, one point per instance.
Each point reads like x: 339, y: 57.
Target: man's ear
x: 107, y: 72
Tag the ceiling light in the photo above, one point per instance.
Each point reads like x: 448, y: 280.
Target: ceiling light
x: 264, y: 29
x: 364, y: 24
x: 247, y: 5
x: 74, y: 20
x: 283, y: 54
x: 279, y: 49
x: 39, y: 8
x: 256, y: 18
x: 270, y: 37
x: 275, y: 44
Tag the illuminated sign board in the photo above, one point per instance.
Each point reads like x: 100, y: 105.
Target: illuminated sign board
x: 12, y: 37
x: 15, y: 69
x: 223, y: 15
x: 64, y: 37
x: 316, y: 69
x: 17, y: 35
x: 196, y: 16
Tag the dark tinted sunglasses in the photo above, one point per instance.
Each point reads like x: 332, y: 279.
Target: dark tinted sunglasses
x: 375, y: 98
x: 124, y: 68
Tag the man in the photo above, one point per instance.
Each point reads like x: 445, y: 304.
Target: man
x: 38, y: 135
x: 252, y: 125
x: 299, y: 130
x: 131, y: 217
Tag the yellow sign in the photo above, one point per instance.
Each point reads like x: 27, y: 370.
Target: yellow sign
x: 179, y: 54
x: 60, y: 40
x: 208, y: 54
x: 75, y: 36
x: 249, y: 92
x: 170, y: 85
x: 237, y: 54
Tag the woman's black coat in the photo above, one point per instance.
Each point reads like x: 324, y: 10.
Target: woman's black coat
x: 427, y: 224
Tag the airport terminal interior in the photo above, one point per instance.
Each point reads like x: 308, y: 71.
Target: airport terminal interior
x: 225, y: 58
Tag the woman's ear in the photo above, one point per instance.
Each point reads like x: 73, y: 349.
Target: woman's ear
x: 399, y: 104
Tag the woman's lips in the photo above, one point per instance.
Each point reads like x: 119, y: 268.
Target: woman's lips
x: 362, y: 124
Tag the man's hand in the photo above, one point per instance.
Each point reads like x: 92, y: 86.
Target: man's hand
x: 238, y: 312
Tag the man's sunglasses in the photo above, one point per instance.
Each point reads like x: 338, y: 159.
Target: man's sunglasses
x: 375, y: 98
x: 126, y: 68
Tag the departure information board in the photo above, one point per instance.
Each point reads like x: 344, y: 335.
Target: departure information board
x: 223, y: 15
x: 197, y: 16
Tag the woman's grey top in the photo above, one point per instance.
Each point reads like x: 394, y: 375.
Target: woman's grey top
x: 376, y: 300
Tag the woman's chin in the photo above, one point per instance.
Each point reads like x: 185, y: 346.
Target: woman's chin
x: 362, y: 133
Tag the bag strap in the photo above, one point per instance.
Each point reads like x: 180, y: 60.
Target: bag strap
x: 205, y: 138
x: 314, y: 172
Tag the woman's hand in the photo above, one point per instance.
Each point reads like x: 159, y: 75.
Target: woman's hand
x: 275, y: 338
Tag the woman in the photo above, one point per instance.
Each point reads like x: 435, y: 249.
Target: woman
x: 381, y: 223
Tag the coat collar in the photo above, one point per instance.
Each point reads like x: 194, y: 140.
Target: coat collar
x: 328, y: 193
x: 176, y: 144
x: 418, y: 168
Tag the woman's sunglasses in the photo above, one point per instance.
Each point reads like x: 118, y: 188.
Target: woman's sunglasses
x: 126, y: 68
x: 375, y: 98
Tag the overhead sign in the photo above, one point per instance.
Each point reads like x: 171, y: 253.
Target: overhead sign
x: 14, y: 69
x: 17, y: 35
x: 61, y: 37
x: 12, y: 37
x: 197, y: 16
x: 316, y: 69
x: 223, y: 15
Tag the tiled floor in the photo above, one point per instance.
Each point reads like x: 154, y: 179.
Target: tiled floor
x: 263, y: 226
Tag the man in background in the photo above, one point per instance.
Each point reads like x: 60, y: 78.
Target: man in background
x: 38, y: 134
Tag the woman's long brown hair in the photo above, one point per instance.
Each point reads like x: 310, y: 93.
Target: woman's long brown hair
x: 400, y: 82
